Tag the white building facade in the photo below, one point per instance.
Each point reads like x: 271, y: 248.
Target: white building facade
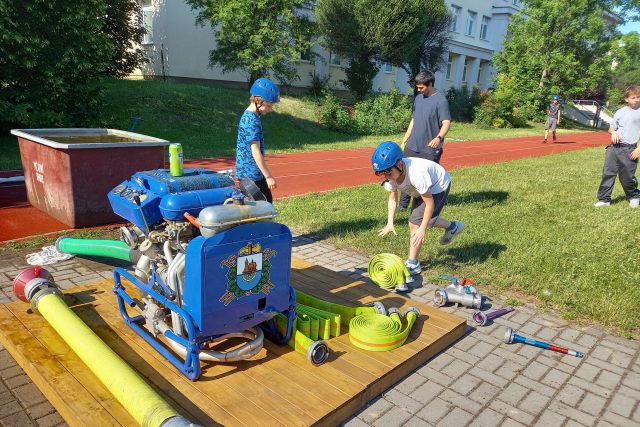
x: 180, y: 49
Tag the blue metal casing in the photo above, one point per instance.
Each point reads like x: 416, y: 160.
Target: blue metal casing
x: 163, y: 196
x: 222, y: 299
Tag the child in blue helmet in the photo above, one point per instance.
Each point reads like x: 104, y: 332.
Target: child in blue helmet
x: 428, y: 183
x: 553, y: 118
x: 250, y: 161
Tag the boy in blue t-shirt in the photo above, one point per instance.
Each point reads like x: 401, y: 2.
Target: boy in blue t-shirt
x: 250, y: 161
x: 622, y: 154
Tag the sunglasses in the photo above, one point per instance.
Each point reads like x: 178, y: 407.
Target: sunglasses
x: 385, y: 172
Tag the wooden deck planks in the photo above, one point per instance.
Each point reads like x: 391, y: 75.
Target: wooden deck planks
x: 275, y: 387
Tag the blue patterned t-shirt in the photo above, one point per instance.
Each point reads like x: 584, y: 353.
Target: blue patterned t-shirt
x: 249, y: 130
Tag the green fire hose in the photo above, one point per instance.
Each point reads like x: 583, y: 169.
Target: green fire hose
x: 376, y: 332
x: 96, y: 247
x: 388, y: 271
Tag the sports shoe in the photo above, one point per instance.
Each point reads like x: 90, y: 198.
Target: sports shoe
x: 600, y: 204
x: 450, y: 234
x: 554, y: 136
x: 634, y: 203
x: 544, y: 141
x: 402, y: 288
x: 413, y: 266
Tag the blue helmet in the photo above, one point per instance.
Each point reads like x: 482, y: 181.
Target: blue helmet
x: 556, y: 97
x: 265, y: 89
x: 385, y: 156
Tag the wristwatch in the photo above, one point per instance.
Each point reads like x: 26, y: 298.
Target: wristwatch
x: 440, y: 138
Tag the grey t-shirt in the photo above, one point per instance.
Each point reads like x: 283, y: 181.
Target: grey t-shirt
x: 428, y: 114
x: 553, y: 110
x: 626, y: 122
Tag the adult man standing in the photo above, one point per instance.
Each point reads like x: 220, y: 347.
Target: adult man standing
x: 429, y: 124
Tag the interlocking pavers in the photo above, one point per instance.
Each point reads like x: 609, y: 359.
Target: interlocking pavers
x: 477, y: 381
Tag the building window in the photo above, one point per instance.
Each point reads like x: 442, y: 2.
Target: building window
x: 480, y: 72
x: 484, y: 27
x: 449, y: 68
x: 147, y: 21
x: 464, y: 71
x: 388, y: 68
x: 306, y: 55
x: 516, y: 2
x: 455, y: 18
x: 471, y: 24
x: 334, y: 59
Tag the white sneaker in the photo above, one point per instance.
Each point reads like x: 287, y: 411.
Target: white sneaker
x: 449, y: 235
x: 600, y: 204
x: 413, y: 267
x: 634, y: 203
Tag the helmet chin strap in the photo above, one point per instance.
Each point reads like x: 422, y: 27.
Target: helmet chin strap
x: 257, y: 108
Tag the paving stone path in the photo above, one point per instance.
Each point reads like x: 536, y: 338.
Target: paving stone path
x: 479, y: 381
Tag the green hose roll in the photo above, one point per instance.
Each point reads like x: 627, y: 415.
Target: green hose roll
x: 345, y: 313
x: 95, y: 247
x: 376, y: 332
x: 388, y: 271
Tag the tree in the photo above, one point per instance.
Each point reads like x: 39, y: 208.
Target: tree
x: 51, y: 53
x: 368, y: 32
x: 429, y: 54
x: 257, y: 36
x: 122, y: 24
x: 556, y: 48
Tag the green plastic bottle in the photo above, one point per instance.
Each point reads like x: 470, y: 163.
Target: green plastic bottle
x: 175, y: 159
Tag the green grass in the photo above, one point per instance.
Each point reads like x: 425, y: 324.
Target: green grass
x: 204, y: 120
x: 531, y: 234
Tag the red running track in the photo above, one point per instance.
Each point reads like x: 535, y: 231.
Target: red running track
x: 301, y: 173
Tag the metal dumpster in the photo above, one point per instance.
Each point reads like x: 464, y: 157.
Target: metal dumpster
x: 68, y: 172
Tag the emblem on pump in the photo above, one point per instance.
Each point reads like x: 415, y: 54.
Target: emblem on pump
x: 248, y: 272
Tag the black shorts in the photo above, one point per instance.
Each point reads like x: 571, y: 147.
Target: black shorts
x: 417, y: 210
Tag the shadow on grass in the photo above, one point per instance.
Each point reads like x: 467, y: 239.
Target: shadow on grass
x: 474, y: 253
x: 340, y: 228
x: 488, y: 198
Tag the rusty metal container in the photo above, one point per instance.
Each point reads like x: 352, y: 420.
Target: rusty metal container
x: 68, y: 172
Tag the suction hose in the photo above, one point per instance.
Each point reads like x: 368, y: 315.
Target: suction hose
x: 36, y: 285
x: 388, y: 271
x: 376, y: 332
x: 95, y: 247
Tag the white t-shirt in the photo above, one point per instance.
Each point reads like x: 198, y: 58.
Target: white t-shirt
x: 423, y: 176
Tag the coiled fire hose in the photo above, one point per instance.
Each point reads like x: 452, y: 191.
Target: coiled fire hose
x: 376, y: 332
x: 316, y: 352
x: 388, y: 271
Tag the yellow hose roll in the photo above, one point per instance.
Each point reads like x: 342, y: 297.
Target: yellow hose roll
x: 377, y: 332
x: 134, y: 394
x: 387, y: 270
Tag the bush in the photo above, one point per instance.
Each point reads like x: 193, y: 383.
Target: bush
x: 463, y: 103
x: 383, y: 113
x: 502, y: 107
x: 334, y: 116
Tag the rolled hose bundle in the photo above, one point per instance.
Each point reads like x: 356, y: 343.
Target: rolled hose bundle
x: 95, y: 247
x: 316, y: 323
x: 376, y: 332
x: 388, y: 270
x: 346, y: 313
x: 316, y: 352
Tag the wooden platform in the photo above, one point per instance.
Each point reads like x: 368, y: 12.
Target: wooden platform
x: 276, y: 387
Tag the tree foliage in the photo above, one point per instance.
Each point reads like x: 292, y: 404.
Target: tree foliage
x: 368, y: 32
x: 122, y: 24
x: 51, y: 51
x: 257, y: 36
x: 556, y: 48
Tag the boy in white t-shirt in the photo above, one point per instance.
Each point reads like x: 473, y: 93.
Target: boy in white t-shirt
x: 428, y: 183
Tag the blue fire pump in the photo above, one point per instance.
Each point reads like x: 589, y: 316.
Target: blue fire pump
x: 210, y: 263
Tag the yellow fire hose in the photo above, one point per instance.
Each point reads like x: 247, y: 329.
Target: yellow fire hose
x: 388, y: 271
x: 345, y: 313
x: 141, y: 401
x: 316, y: 352
x: 376, y: 332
